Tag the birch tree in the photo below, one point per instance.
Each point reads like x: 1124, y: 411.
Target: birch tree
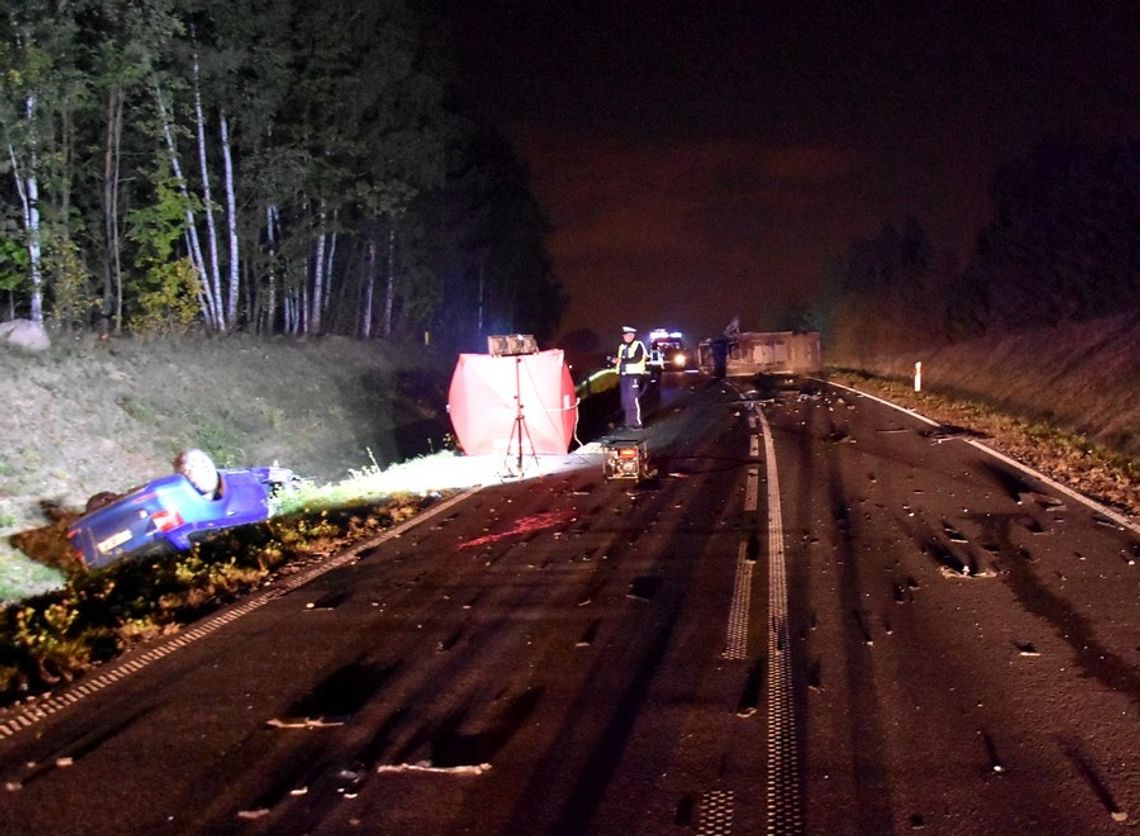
x: 240, y: 79
x: 34, y: 39
x: 306, y: 151
x: 131, y: 36
x: 211, y: 304
x: 213, y: 268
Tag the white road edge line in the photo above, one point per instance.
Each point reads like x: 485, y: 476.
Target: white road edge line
x: 1100, y: 508
x: 31, y: 715
x: 883, y: 401
x: 783, y: 789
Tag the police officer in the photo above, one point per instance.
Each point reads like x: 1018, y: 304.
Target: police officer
x: 630, y: 361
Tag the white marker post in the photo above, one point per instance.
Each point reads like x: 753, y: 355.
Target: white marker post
x: 918, y: 376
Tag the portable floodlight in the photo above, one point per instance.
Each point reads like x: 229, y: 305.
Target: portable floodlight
x: 509, y: 345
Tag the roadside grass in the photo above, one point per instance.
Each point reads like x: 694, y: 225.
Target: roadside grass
x: 310, y: 404
x: 62, y: 619
x: 443, y: 470
x: 51, y: 637
x: 22, y: 578
x: 1103, y: 473
x: 138, y: 409
x: 1077, y: 377
x: 218, y: 439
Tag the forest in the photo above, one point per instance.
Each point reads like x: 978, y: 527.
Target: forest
x: 265, y: 166
x: 1061, y: 247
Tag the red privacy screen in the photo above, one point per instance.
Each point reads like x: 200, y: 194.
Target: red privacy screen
x: 487, y: 392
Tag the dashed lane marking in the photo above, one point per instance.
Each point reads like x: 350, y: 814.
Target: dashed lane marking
x: 716, y: 813
x: 736, y: 643
x: 752, y: 490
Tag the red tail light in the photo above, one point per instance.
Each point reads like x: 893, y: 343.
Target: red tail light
x: 627, y: 453
x: 166, y: 519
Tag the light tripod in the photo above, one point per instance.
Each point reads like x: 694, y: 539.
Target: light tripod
x: 519, y: 428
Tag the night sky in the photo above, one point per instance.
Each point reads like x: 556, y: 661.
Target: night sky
x: 703, y: 160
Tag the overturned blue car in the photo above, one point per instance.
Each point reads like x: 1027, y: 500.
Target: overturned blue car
x: 167, y: 512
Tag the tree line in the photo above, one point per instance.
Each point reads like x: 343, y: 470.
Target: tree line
x: 1062, y: 245
x: 272, y: 166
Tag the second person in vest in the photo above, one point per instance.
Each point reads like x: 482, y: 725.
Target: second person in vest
x: 630, y: 361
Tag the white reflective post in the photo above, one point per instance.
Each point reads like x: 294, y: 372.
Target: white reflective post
x: 918, y: 376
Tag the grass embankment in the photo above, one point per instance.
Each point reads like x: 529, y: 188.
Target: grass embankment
x: 1064, y: 399
x: 91, y: 416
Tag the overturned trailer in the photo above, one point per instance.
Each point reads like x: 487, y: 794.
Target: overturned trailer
x: 751, y: 353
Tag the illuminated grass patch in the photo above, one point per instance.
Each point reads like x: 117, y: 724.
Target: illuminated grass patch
x: 58, y: 626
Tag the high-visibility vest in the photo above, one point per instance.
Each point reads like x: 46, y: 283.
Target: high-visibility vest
x: 629, y: 361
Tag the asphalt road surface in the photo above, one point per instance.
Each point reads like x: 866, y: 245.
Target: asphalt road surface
x: 821, y: 615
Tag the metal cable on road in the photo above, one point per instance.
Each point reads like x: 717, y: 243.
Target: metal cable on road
x: 783, y: 796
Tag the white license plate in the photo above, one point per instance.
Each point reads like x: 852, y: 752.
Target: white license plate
x: 114, y: 540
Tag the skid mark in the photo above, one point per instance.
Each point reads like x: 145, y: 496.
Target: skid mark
x: 750, y: 695
x: 289, y: 780
x: 992, y: 756
x: 644, y: 587
x: 1092, y: 657
x: 683, y: 816
x: 457, y: 743
x: 590, y: 635
x: 450, y: 746
x: 1095, y: 781
x: 597, y: 772
x: 1014, y: 486
x: 449, y: 642
x: 340, y: 695
x: 328, y: 602
x: 67, y: 756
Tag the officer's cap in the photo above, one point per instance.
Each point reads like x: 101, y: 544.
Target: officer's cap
x: 625, y: 329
